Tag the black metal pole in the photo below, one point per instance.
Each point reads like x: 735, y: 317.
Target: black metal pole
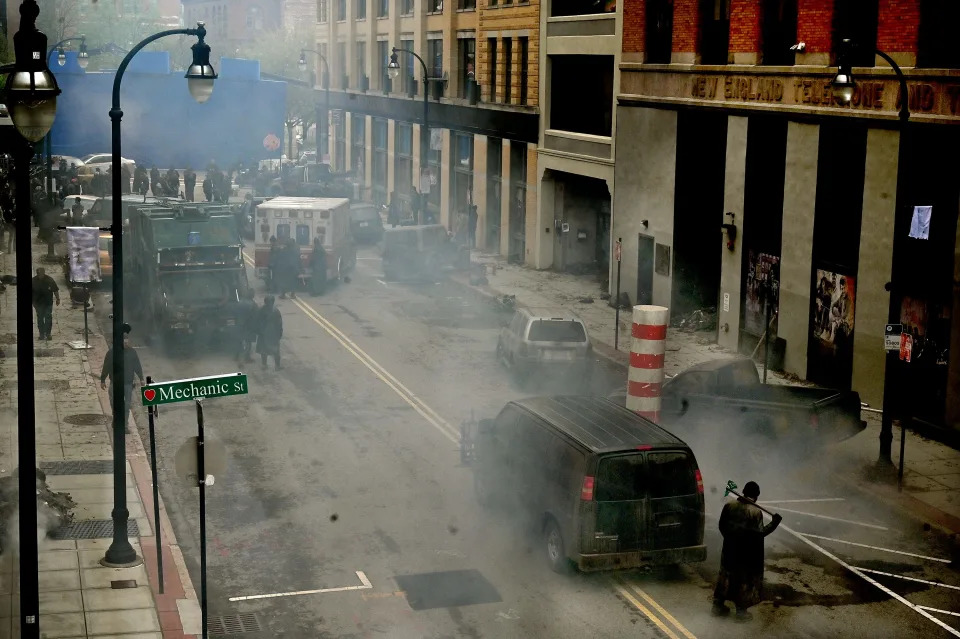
x: 425, y: 126
x: 903, y: 445
x: 326, y: 114
x: 766, y: 335
x: 884, y: 460
x: 86, y: 325
x: 202, y: 484
x: 616, y: 328
x: 121, y: 553
x: 26, y: 416
x: 151, y: 416
x: 48, y: 146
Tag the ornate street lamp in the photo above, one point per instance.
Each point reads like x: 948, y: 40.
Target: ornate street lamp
x: 30, y: 93
x: 843, y: 91
x: 200, y: 77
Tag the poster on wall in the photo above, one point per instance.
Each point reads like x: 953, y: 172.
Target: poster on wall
x: 762, y: 289
x: 832, y: 322
x: 84, y: 251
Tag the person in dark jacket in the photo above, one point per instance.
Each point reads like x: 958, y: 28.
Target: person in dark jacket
x: 741, y: 559
x: 269, y: 332
x: 44, y: 290
x: 172, y: 179
x: 189, y: 183
x: 208, y: 188
x: 141, y: 182
x: 247, y: 314
x: 415, y: 204
x: 318, y: 267
x: 472, y: 218
x: 287, y: 269
x: 131, y: 367
x: 393, y: 212
x: 156, y: 186
x: 124, y: 179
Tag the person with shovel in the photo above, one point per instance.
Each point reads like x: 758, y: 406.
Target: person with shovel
x: 741, y: 560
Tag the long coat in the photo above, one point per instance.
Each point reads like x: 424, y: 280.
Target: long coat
x: 269, y: 330
x: 741, y: 524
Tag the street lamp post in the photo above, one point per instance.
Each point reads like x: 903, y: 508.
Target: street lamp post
x: 393, y: 70
x: 200, y: 76
x: 31, y: 94
x: 83, y: 59
x: 843, y: 89
x: 302, y: 63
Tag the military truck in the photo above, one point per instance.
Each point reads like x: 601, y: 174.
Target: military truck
x: 185, y: 267
x: 312, y: 180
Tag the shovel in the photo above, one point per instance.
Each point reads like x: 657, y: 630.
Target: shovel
x: 732, y: 488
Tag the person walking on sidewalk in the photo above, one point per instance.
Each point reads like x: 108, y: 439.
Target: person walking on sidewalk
x: 131, y: 367
x: 247, y: 313
x: 269, y: 332
x: 45, y: 290
x: 741, y: 559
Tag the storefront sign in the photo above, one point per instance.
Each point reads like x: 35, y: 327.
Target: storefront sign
x: 891, y: 337
x: 875, y: 95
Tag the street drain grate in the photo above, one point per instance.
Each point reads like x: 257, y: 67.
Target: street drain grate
x: 233, y: 624
x: 78, y: 467
x: 40, y: 384
x: 92, y: 529
x: 447, y: 589
x: 87, y: 419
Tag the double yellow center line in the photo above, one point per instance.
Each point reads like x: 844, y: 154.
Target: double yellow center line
x: 666, y: 622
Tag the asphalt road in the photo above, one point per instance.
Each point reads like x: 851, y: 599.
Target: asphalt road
x: 343, y: 471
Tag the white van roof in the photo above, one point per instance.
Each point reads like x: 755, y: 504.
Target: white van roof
x: 305, y: 203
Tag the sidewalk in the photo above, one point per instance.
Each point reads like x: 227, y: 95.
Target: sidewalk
x: 932, y: 469
x: 78, y: 596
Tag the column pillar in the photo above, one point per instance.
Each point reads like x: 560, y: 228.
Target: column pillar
x: 480, y: 187
x: 686, y: 32
x: 745, y: 16
x: 728, y: 317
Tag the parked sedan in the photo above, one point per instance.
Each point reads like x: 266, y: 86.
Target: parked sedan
x: 104, y: 161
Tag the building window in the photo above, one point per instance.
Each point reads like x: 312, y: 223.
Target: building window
x: 383, y: 58
x: 341, y: 10
x: 339, y: 141
x: 462, y: 192
x: 383, y: 8
x: 361, y: 60
x: 714, y: 31
x: 581, y: 8
x: 938, y: 20
x: 507, y: 69
x: 467, y: 5
x: 321, y: 10
x: 524, y: 52
x: 406, y: 77
x: 518, y: 200
x: 584, y: 106
x: 434, y: 6
x: 779, y: 31
x: 435, y: 57
x: 342, y: 65
x: 380, y: 160
x: 254, y: 18
x: 492, y: 45
x: 494, y: 186
x: 468, y: 55
x: 361, y: 9
x: 358, y: 145
x: 403, y: 169
x: 659, y: 36
x: 434, y: 157
x: 406, y: 7
x: 856, y: 20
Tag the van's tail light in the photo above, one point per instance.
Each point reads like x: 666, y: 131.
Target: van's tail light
x: 586, y: 493
x: 699, y: 479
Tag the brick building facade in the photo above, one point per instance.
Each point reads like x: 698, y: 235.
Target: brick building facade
x: 746, y: 186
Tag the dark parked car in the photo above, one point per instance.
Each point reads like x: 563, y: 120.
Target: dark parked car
x: 604, y: 487
x: 805, y: 418
x: 366, y: 225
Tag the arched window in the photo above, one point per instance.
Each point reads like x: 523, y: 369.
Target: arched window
x: 255, y: 18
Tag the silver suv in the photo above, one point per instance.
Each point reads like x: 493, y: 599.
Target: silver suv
x: 542, y: 341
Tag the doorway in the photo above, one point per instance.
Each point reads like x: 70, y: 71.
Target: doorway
x: 645, y: 246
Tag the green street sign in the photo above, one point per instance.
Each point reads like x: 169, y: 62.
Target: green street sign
x: 184, y: 390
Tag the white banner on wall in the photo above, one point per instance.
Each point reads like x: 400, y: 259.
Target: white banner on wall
x: 84, y: 251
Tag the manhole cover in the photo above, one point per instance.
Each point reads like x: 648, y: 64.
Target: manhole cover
x: 78, y: 467
x: 233, y: 624
x: 87, y: 419
x: 92, y: 529
x: 447, y: 589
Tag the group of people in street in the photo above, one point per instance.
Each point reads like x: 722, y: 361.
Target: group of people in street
x: 217, y: 184
x: 285, y: 266
x: 260, y: 325
x: 419, y: 212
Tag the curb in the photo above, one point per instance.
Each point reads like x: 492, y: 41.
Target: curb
x: 179, y: 595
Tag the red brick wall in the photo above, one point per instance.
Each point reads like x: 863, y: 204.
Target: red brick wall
x: 634, y: 25
x: 745, y: 26
x: 686, y: 26
x: 815, y: 25
x: 899, y: 25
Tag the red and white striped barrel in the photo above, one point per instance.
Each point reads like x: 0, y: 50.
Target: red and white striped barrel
x: 647, y: 349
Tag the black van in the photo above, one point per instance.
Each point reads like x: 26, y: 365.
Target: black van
x: 605, y: 487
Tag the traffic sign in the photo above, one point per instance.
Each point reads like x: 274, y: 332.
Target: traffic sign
x: 214, y: 460
x: 183, y: 390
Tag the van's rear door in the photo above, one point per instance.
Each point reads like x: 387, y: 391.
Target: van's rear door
x: 649, y: 501
x: 676, y: 504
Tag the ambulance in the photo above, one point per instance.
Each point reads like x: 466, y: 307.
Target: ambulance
x: 304, y: 219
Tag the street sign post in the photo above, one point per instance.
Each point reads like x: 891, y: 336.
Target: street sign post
x: 617, y: 254
x: 183, y: 390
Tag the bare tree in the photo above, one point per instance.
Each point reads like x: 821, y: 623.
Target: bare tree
x: 60, y: 19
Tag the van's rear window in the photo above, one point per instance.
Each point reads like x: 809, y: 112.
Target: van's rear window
x: 670, y: 474
x: 620, y: 478
x: 556, y: 331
